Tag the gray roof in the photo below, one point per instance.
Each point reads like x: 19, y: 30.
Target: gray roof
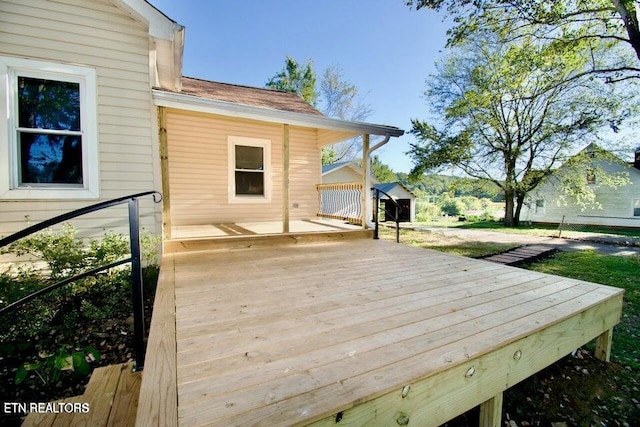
x: 333, y: 166
x: 388, y: 186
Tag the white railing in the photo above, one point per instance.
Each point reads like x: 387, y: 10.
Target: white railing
x: 341, y: 201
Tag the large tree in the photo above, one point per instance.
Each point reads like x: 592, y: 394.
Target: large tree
x: 296, y: 78
x: 341, y: 99
x: 337, y: 98
x: 513, y: 110
x: 568, y: 21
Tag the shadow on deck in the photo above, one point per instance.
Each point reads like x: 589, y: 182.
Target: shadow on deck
x: 356, y: 331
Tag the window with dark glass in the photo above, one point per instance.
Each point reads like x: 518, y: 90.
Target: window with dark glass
x: 49, y: 133
x: 636, y: 207
x: 249, y: 170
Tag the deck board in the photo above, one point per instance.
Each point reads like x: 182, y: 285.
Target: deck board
x: 292, y: 335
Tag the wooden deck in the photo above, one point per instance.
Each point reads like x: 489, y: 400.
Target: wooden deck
x: 355, y: 332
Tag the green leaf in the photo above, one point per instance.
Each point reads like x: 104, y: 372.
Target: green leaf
x: 64, y: 362
x: 21, y: 374
x: 80, y: 365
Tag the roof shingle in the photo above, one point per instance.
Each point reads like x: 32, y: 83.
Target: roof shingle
x: 246, y: 95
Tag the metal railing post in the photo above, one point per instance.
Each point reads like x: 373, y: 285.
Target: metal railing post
x: 136, y: 283
x: 397, y: 223
x: 376, y: 209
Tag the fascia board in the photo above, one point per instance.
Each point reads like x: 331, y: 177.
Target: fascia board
x: 203, y: 105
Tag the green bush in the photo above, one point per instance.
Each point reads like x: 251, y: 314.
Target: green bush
x: 36, y: 335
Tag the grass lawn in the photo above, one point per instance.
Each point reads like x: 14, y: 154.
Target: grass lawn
x: 578, y: 390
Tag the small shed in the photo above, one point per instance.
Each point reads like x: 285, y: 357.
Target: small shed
x: 401, y: 194
x: 342, y: 172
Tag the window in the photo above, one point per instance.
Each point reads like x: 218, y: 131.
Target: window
x: 249, y: 169
x: 591, y: 176
x: 539, y: 206
x: 50, y: 140
x: 636, y: 207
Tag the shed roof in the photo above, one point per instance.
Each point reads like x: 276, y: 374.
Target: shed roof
x: 335, y: 166
x: 389, y: 186
x: 246, y: 95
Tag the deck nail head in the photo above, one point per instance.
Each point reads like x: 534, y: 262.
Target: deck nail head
x: 517, y: 355
x: 470, y: 372
x: 405, y: 391
x: 402, y: 420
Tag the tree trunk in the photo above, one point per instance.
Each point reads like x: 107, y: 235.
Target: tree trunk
x: 519, y: 203
x: 630, y: 20
x: 508, y: 209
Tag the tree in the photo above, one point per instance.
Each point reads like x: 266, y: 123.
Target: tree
x: 381, y: 171
x: 342, y: 100
x: 513, y: 110
x: 338, y: 98
x: 297, y: 79
x: 568, y: 21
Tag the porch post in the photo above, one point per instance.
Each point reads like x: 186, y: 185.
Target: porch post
x: 164, y: 172
x: 366, y: 180
x: 285, y: 179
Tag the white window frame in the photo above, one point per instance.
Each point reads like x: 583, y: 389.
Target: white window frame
x: 10, y: 189
x: 265, y: 144
x: 540, y: 210
x: 633, y: 207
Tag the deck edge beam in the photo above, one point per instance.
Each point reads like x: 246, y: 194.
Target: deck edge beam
x: 441, y: 397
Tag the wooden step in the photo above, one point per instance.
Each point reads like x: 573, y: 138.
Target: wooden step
x: 262, y: 240
x: 111, y: 395
x: 523, y: 253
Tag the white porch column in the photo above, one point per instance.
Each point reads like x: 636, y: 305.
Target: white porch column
x: 366, y: 181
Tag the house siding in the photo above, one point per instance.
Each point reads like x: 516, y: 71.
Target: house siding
x: 199, y: 169
x: 344, y: 174
x: 617, y: 204
x: 99, y: 35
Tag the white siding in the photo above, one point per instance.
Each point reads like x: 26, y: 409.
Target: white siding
x: 617, y: 205
x: 198, y: 169
x: 99, y: 35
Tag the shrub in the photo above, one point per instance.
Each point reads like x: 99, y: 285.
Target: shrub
x: 64, y: 255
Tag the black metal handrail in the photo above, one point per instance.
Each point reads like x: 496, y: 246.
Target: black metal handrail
x: 377, y: 208
x: 134, y: 259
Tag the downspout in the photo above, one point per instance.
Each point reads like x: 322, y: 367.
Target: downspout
x: 368, y: 208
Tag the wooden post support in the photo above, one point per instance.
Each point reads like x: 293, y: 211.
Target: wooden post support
x: 164, y: 171
x: 366, y: 181
x: 285, y: 179
x: 603, y: 346
x: 491, y: 412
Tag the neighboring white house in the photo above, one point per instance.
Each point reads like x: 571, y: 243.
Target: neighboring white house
x: 348, y: 172
x: 620, y: 207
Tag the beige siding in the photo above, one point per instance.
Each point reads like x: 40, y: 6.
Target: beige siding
x: 305, y: 172
x: 93, y: 34
x: 199, y: 175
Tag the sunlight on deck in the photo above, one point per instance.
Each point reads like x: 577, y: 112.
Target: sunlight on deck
x: 252, y: 228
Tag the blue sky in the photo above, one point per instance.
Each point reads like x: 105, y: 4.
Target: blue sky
x: 383, y: 48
